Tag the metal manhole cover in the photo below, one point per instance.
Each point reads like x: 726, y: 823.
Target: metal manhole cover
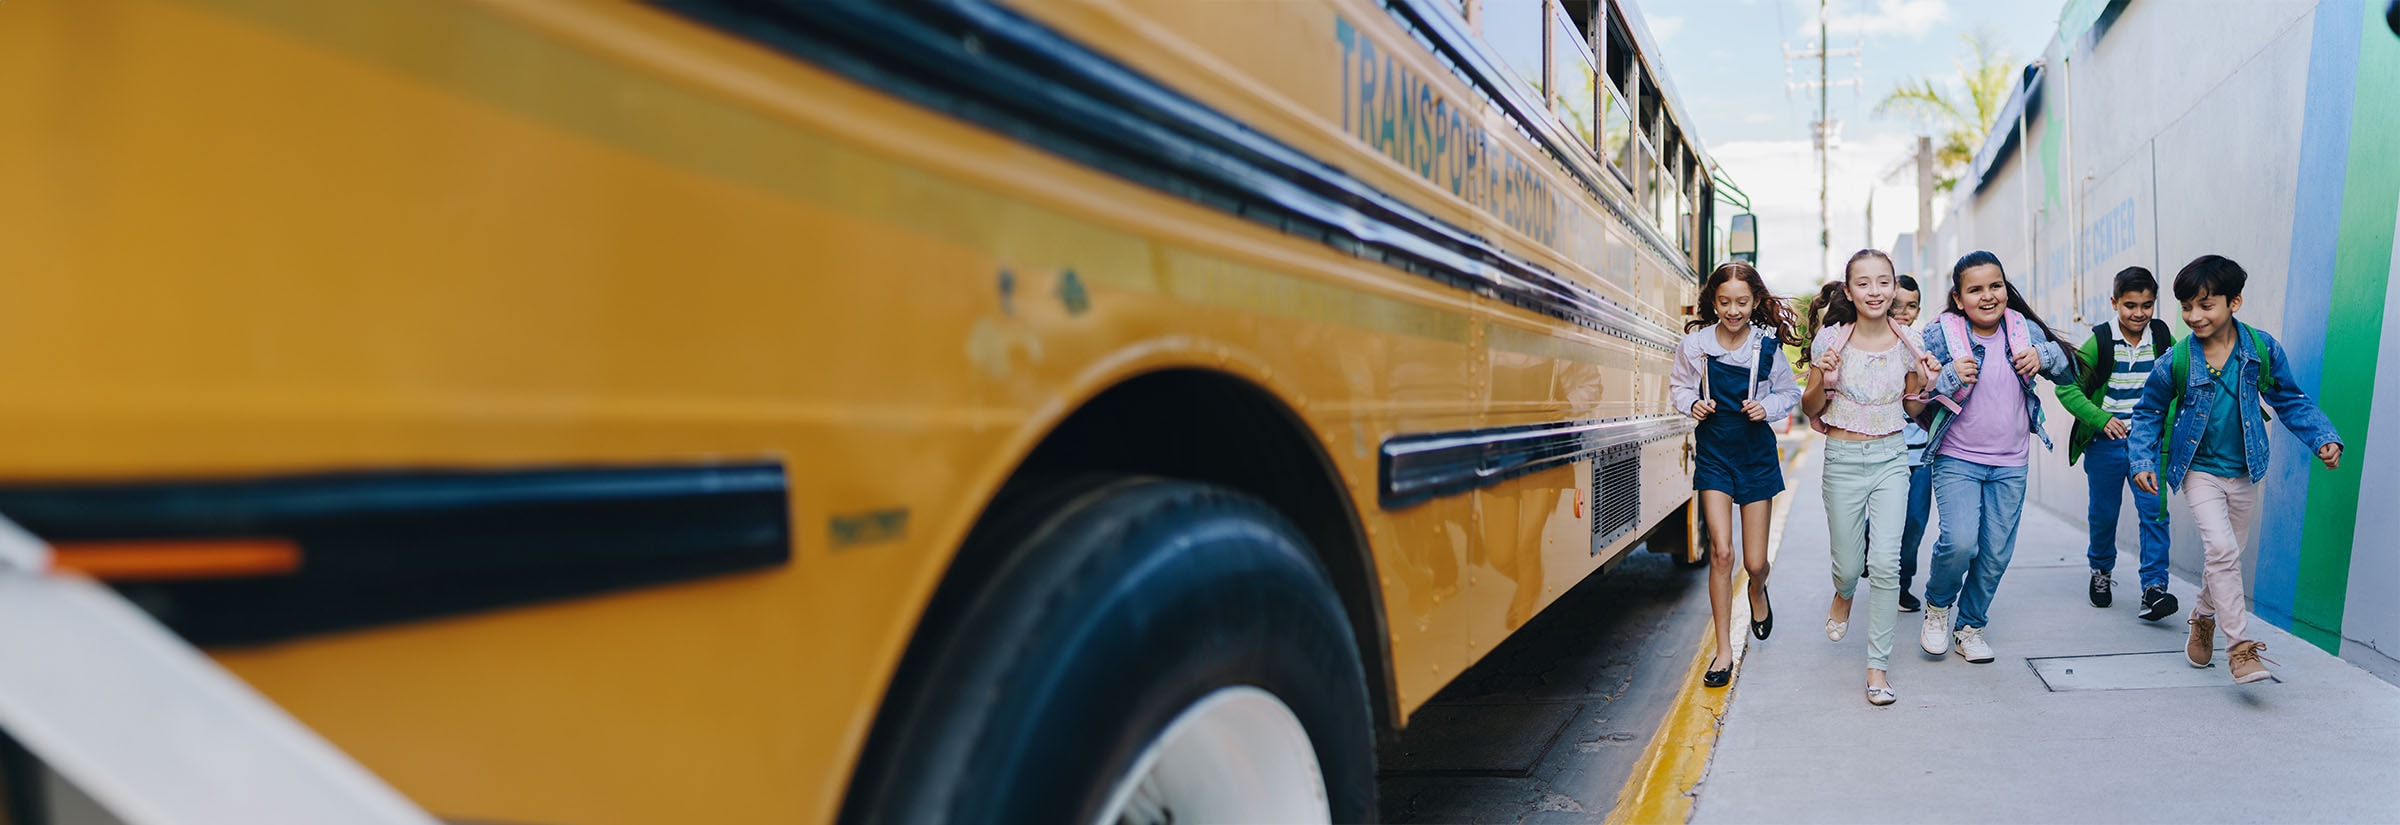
x: 2129, y: 671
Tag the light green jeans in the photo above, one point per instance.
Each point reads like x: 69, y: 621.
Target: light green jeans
x: 1866, y: 507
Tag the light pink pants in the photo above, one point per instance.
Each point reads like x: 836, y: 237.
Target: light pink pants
x: 2221, y: 508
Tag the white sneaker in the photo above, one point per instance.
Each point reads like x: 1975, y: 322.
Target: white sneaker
x: 1935, y: 638
x: 1971, y: 645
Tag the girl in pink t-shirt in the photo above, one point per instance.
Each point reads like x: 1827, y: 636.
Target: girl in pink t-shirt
x: 1991, y: 346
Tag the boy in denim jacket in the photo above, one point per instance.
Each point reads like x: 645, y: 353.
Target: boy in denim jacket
x: 2209, y: 438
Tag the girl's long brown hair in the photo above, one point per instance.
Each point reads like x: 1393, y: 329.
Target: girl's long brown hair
x: 1766, y: 311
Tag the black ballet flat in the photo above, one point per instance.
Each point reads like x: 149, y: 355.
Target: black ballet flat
x: 1717, y: 678
x: 1762, y: 627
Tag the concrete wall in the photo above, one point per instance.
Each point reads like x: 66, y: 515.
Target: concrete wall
x: 2187, y: 138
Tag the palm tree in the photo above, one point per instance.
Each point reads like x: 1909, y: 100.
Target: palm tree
x: 1963, y: 124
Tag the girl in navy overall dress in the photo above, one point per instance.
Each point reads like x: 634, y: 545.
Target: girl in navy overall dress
x: 1731, y: 376
x: 1733, y: 454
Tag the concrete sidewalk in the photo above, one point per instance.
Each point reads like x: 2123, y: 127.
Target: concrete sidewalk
x: 2131, y: 734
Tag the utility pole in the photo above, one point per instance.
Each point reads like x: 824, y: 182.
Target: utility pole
x: 1826, y: 130
x: 1924, y: 203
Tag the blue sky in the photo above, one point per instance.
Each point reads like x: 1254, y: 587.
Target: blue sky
x: 1725, y: 60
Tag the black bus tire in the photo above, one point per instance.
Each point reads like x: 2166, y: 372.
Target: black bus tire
x: 1129, y: 603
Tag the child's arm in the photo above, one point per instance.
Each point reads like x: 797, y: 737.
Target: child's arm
x: 2070, y: 394
x: 1910, y: 403
x: 1683, y: 381
x: 1783, y: 389
x: 2300, y: 414
x: 1812, y: 402
x: 1951, y: 379
x: 2057, y: 365
x: 2149, y: 425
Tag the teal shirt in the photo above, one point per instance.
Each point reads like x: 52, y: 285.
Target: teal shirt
x: 2220, y: 451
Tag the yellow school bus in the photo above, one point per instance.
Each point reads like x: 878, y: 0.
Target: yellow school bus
x: 753, y: 411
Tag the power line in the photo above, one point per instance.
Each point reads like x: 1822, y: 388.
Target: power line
x: 1825, y: 131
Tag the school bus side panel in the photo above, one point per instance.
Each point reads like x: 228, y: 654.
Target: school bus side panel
x: 266, y: 237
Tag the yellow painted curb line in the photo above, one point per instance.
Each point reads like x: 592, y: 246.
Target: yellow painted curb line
x: 1660, y: 789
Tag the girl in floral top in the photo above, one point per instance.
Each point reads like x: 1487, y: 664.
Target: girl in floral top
x: 1868, y: 374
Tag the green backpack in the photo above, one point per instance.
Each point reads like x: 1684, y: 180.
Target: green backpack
x: 2179, y: 365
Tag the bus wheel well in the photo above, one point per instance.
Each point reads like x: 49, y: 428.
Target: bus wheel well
x: 1210, y: 427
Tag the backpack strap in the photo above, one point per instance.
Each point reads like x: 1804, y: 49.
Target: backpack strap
x: 1707, y: 365
x: 1834, y: 338
x: 2266, y: 359
x: 2266, y: 370
x: 2179, y: 368
x: 2105, y: 340
x: 1766, y: 349
x: 2020, y: 338
x: 2160, y: 336
x: 1954, y: 335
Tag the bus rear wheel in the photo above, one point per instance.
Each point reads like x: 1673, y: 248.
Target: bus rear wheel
x: 1151, y: 651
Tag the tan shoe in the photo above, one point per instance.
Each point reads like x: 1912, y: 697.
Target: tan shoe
x: 2204, y: 639
x: 2244, y: 660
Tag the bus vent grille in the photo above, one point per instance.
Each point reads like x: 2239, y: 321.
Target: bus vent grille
x: 1616, y: 492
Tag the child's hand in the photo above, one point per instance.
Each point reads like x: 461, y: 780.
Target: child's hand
x: 2026, y: 363
x: 1701, y: 410
x: 1933, y: 366
x: 2146, y: 482
x: 1827, y: 367
x: 2331, y: 454
x: 1754, y: 410
x: 1968, y: 369
x: 2117, y: 428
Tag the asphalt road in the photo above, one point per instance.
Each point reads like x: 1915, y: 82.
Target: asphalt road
x: 1550, y: 725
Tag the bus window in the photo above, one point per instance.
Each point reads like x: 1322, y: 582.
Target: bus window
x: 1573, y: 76
x: 1687, y: 233
x: 1617, y: 128
x: 1646, y: 185
x: 1616, y: 131
x: 1662, y: 201
x: 1579, y: 15
x: 1514, y: 29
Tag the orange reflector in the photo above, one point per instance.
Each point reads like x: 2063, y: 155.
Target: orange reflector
x: 171, y: 559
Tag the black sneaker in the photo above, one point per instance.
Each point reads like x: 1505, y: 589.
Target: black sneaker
x: 2157, y: 603
x: 2100, y: 594
x: 1908, y: 603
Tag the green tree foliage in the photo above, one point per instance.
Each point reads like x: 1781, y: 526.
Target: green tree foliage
x: 1960, y: 124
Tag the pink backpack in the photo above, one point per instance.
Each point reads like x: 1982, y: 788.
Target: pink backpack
x: 1838, y: 336
x: 1954, y: 334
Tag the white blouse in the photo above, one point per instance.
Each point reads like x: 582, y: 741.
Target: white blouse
x: 1781, y: 392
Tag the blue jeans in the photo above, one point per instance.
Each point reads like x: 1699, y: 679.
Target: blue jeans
x: 1920, y: 504
x: 1980, y: 505
x: 2105, y: 465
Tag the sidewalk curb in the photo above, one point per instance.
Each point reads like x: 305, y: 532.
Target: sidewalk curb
x: 1660, y: 789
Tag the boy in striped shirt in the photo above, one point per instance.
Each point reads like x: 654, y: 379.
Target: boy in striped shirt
x: 2102, y: 404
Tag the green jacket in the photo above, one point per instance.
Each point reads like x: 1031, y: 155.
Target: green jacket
x: 2089, y: 418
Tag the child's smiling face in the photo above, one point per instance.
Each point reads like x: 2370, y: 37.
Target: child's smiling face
x: 1734, y: 303
x: 1905, y: 306
x: 2209, y: 314
x: 1870, y: 287
x: 2136, y: 308
x: 1982, y: 294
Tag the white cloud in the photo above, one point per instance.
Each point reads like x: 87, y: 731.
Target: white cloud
x: 1843, y: 18
x: 1664, y: 28
x: 1781, y: 180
